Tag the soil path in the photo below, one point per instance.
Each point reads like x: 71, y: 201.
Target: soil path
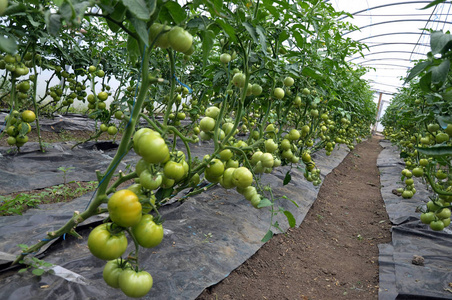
x: 333, y: 254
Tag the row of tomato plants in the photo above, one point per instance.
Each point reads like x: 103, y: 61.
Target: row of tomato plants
x: 265, y: 82
x: 426, y: 147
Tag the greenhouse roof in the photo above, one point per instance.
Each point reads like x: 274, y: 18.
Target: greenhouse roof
x: 397, y: 34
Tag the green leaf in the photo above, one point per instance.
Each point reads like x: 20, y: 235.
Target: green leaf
x: 439, y: 73
x: 403, y: 154
x: 228, y: 29
x: 287, y: 178
x: 53, y: 23
x: 290, y: 218
x: 138, y: 8
x: 267, y: 236
x: 208, y: 38
x: 262, y: 38
x: 22, y: 270
x: 133, y: 50
x: 417, y: 70
x: 252, y: 31
x: 113, y: 27
x: 437, y: 150
x: 265, y: 202
x: 140, y: 28
x: 425, y: 82
x: 38, y: 272
x: 176, y: 11
x: 440, y: 42
x: 312, y: 73
x: 433, y: 3
x: 8, y: 45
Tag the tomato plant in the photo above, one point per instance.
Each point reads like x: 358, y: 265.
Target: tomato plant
x: 426, y: 147
x: 234, y: 79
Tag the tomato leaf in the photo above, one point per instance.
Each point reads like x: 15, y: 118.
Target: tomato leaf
x: 312, y: 73
x: 262, y: 38
x: 176, y: 11
x: 163, y: 193
x: 132, y: 49
x: 417, y: 70
x: 425, y: 82
x: 53, y: 22
x: 439, y: 73
x: 38, y: 272
x: 265, y: 202
x: 287, y: 178
x: 208, y: 38
x: 267, y: 236
x: 290, y: 218
x: 138, y: 8
x: 228, y: 29
x: 433, y: 3
x: 440, y: 42
x: 252, y: 31
x: 140, y: 28
x: 8, y: 45
x: 437, y: 150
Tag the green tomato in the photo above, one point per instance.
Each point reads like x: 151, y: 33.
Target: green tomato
x: 278, y: 93
x: 226, y: 180
x: 174, y: 170
x: 427, y: 217
x: 256, y: 89
x: 445, y: 213
x: 215, y: 168
x: 239, y: 80
x: 285, y: 145
x: 207, y: 124
x: 288, y: 81
x: 271, y: 146
x: 225, y: 155
x: 152, y: 148
x: 294, y: 135
x: 150, y: 181
x: 242, y: 177
x: 225, y: 58
x: 147, y: 232
x: 111, y: 272
x: 124, y: 208
x: 141, y: 166
x: 267, y: 160
x: 212, y: 112
x: 442, y: 137
x: 105, y: 245
x: 437, y: 225
x: 180, y: 40
x: 112, y: 130
x: 162, y: 40
x: 135, y: 284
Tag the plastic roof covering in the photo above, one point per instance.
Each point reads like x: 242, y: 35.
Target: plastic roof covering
x: 393, y: 31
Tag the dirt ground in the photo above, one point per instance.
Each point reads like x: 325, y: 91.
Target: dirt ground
x: 333, y: 254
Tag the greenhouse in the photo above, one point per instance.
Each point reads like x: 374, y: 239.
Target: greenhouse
x: 250, y: 149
